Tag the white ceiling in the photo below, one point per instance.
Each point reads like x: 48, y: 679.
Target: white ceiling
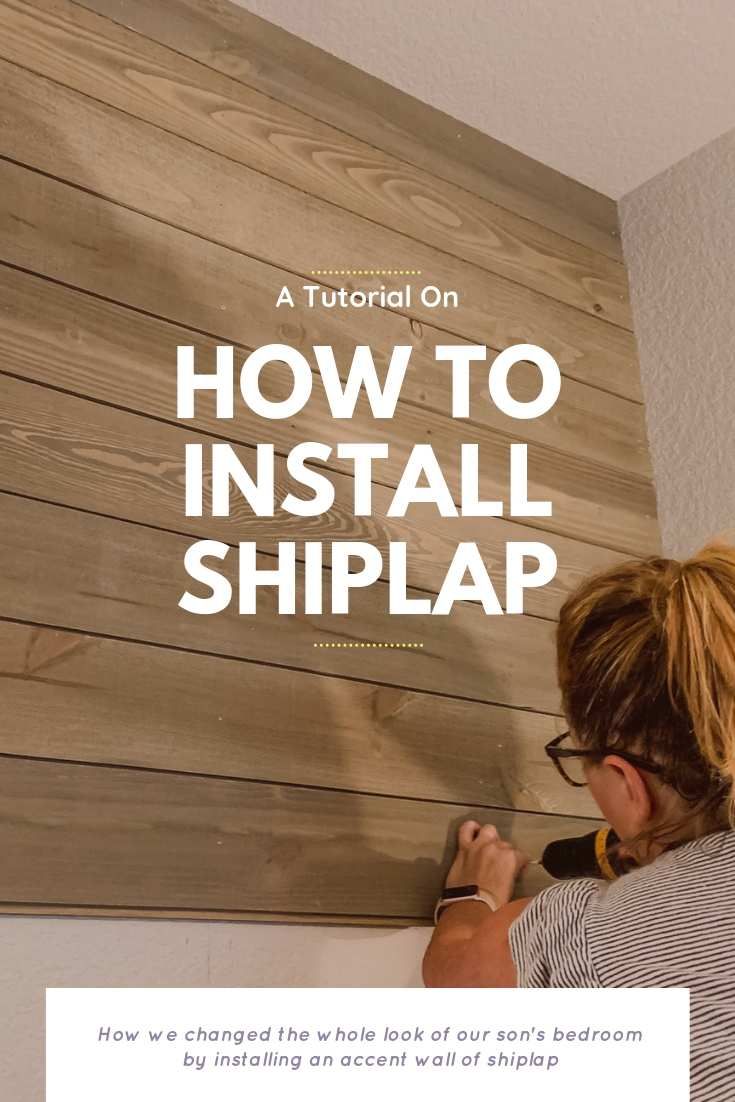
x: 610, y: 92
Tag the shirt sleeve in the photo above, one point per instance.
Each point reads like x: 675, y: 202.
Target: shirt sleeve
x: 548, y: 940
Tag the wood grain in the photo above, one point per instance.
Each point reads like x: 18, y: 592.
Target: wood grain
x: 115, y: 462
x: 88, y: 699
x: 65, y: 568
x: 106, y: 836
x: 261, y: 55
x: 98, y: 246
x: 54, y: 38
x: 41, y: 343
x: 39, y: 208
x: 165, y: 170
x: 196, y: 190
x: 88, y: 456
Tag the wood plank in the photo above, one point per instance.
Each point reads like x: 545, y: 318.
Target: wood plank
x: 120, y: 837
x: 177, y: 914
x: 98, y: 246
x: 259, y: 54
x: 39, y: 343
x: 254, y: 130
x: 107, y: 460
x: 86, y: 699
x: 196, y: 190
x: 64, y: 568
x: 157, y: 762
x: 112, y: 462
x: 140, y: 261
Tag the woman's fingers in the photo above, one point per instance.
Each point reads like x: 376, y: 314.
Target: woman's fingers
x: 467, y: 833
x: 471, y: 834
x: 484, y: 858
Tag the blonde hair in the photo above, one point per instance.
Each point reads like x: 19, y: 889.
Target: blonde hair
x: 646, y: 663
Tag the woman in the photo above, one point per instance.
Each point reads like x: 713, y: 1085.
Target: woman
x: 646, y: 663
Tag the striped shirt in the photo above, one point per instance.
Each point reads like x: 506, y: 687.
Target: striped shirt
x: 670, y: 924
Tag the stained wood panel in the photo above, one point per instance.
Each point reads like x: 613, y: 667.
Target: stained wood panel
x: 161, y: 181
x: 491, y: 310
x: 108, y: 456
x: 121, y: 837
x: 256, y: 131
x: 38, y: 344
x: 63, y: 449
x: 95, y: 700
x: 107, y: 576
x: 147, y: 264
x: 261, y: 55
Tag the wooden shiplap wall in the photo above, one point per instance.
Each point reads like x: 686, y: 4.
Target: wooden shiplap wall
x: 164, y: 169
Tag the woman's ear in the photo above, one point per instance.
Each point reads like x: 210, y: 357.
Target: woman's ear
x: 632, y: 795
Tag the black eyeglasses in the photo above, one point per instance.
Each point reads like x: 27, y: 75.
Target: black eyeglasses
x: 570, y: 761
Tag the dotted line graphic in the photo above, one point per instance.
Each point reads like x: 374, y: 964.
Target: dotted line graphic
x: 365, y: 271
x: 415, y: 646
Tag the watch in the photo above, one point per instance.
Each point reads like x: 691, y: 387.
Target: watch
x: 461, y: 895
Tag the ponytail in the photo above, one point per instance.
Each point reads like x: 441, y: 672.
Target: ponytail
x: 646, y: 663
x: 699, y: 626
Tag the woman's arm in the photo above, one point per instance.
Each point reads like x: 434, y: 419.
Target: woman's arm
x: 470, y: 946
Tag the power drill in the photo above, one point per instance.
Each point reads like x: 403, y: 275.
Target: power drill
x: 595, y: 854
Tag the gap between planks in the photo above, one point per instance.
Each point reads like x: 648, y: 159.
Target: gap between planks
x: 213, y: 776
x: 611, y: 252
x: 226, y: 657
x: 401, y: 234
x: 573, y: 340
x: 524, y: 524
x: 199, y: 715
x: 445, y: 329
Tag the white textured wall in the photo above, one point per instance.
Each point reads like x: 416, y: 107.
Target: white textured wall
x: 36, y: 953
x: 608, y: 93
x: 679, y: 240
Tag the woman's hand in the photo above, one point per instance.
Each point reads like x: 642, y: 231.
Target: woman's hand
x: 470, y: 945
x: 483, y: 858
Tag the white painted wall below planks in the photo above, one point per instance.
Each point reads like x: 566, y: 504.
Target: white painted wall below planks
x: 36, y: 953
